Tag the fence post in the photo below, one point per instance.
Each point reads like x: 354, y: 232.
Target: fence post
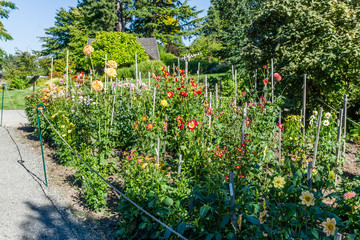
x: 317, y: 136
x: 303, y: 118
x: 2, y: 102
x: 41, y: 142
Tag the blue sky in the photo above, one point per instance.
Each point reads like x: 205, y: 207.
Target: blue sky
x: 28, y: 22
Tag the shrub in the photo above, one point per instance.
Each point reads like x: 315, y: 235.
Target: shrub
x: 143, y: 67
x: 118, y: 46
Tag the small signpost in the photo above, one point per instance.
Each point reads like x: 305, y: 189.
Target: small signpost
x: 33, y: 81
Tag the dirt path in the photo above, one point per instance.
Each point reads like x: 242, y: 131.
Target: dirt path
x: 30, y: 210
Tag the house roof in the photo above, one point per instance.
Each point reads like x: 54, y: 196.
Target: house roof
x: 151, y: 47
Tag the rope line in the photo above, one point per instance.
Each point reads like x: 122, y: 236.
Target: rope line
x: 338, y: 112
x: 14, y: 104
x: 114, y: 188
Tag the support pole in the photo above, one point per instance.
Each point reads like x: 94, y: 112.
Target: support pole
x: 317, y: 136
x: 38, y: 110
x: 272, y: 80
x: 304, y: 107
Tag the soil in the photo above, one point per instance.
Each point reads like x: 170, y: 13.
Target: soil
x: 63, y: 180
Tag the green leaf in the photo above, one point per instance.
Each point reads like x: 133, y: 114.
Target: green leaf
x: 315, y: 233
x: 210, y: 236
x: 225, y: 220
x: 142, y: 225
x: 168, y: 201
x: 204, y: 210
x: 253, y: 220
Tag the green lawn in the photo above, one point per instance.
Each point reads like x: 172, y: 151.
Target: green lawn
x: 18, y: 98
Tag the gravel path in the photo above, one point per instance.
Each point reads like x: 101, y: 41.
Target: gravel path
x: 30, y: 210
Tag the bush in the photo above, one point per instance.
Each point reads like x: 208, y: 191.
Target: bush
x: 205, y: 67
x: 143, y: 67
x: 118, y: 46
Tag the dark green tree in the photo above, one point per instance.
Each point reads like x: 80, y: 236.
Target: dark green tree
x: 5, y: 8
x: 165, y: 20
x: 99, y: 15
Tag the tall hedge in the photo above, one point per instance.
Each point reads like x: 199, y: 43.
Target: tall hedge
x: 118, y: 46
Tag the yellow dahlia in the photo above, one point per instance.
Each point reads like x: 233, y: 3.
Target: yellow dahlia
x: 307, y: 198
x: 88, y: 50
x: 97, y: 86
x: 111, y: 72
x: 329, y: 226
x: 332, y: 176
x: 279, y: 182
x: 111, y: 64
x: 164, y: 103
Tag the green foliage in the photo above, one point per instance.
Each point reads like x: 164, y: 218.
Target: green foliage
x: 164, y: 55
x: 143, y: 67
x: 120, y: 47
x: 193, y: 66
x: 177, y: 20
x: 320, y: 38
x: 208, y: 46
x: 5, y: 8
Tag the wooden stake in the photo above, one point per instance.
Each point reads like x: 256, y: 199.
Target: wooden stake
x: 154, y: 96
x: 130, y: 96
x: 51, y: 74
x: 206, y: 87
x: 255, y: 79
x: 179, y: 166
x: 317, y: 135
x: 67, y: 69
x: 309, y: 173
x: 149, y: 80
x: 338, y: 138
x: 280, y: 138
x: 304, y: 108
x: 232, y: 200
x: 158, y: 151
x: 272, y: 80
x: 216, y: 96
x: 344, y: 121
x: 210, y: 107
x: 136, y: 66
x: 235, y: 86
x: 106, y: 79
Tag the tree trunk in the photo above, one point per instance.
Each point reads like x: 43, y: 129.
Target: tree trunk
x: 121, y: 22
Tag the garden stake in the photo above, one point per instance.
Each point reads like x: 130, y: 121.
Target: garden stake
x: 232, y: 200
x: 164, y: 150
x: 232, y: 73
x: 179, y: 166
x: 317, y: 135
x: 216, y: 96
x: 338, y: 236
x: 51, y: 70
x: 309, y: 174
x: 105, y: 73
x: 235, y: 87
x: 304, y: 107
x: 2, y: 102
x: 174, y: 67
x: 220, y: 91
x: 158, y: 151
x: 198, y: 72
x: 67, y: 69
x: 272, y: 80
x: 206, y: 89
x: 149, y: 80
x: 130, y: 96
x: 136, y: 66
x: 154, y: 101
x: 178, y: 68
x: 279, y: 138
x: 186, y: 71
x: 210, y: 107
x: 255, y: 78
x: 338, y: 149
x: 344, y: 120
x: 41, y: 142
x: 113, y: 108
x: 91, y: 80
x: 265, y: 90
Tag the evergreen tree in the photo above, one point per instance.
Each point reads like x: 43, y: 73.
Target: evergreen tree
x: 100, y: 15
x: 166, y: 20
